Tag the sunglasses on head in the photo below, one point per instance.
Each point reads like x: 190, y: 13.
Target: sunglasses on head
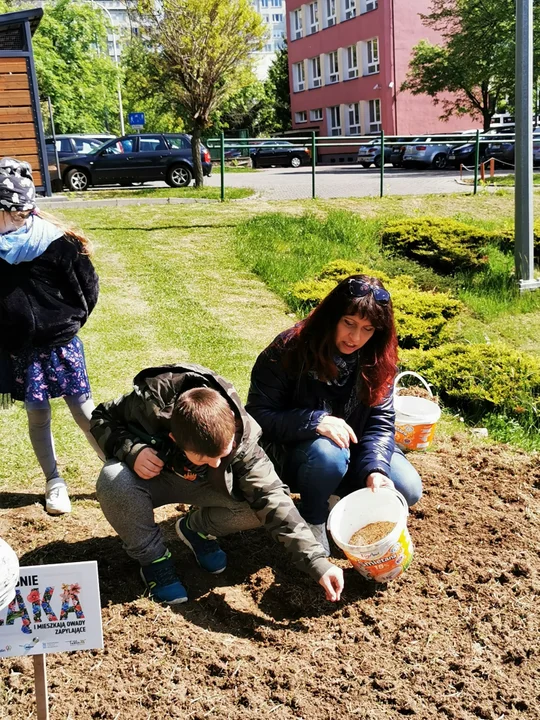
x: 360, y: 288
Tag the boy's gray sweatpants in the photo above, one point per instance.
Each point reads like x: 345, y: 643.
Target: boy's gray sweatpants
x: 128, y: 503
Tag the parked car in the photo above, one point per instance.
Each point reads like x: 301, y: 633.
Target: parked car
x: 503, y: 151
x: 464, y: 154
x: 370, y: 154
x: 279, y: 152
x: 135, y: 158
x: 429, y: 151
x: 67, y: 145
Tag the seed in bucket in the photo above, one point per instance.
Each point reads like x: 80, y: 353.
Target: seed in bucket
x: 372, y: 533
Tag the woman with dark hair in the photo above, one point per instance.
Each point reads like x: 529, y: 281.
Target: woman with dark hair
x: 322, y: 392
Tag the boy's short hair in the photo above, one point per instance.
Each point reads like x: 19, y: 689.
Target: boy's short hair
x: 202, y: 422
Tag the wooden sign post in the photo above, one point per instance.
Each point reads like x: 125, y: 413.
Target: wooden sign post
x: 40, y: 684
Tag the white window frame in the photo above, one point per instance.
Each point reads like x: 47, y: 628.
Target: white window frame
x: 299, y: 77
x: 297, y: 24
x: 333, y: 129
x: 315, y: 79
x: 313, y: 15
x: 353, y: 114
x: 300, y: 117
x: 349, y: 9
x: 333, y: 67
x: 368, y: 5
x: 330, y: 13
x: 372, y: 63
x: 351, y: 54
x: 374, y: 115
x: 316, y: 115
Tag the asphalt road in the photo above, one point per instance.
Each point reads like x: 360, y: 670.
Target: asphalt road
x: 348, y: 181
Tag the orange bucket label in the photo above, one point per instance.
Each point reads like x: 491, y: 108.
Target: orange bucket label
x: 389, y: 565
x: 414, y: 437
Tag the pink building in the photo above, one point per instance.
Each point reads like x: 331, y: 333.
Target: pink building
x: 347, y: 61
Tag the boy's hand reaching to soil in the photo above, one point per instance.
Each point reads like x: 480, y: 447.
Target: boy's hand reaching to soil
x: 332, y: 582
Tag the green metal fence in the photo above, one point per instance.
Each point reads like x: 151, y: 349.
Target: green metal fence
x: 317, y: 145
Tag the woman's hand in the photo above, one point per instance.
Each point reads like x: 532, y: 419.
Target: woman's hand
x: 147, y: 464
x: 332, y: 582
x: 377, y: 480
x: 337, y: 430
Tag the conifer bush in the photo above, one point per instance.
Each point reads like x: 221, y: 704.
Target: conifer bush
x: 481, y: 379
x: 421, y: 315
x: 440, y: 243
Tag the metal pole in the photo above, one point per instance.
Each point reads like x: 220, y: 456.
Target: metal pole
x: 524, y: 242
x: 115, y: 53
x: 476, y: 160
x: 222, y: 165
x: 53, y: 133
x: 382, y: 164
x: 313, y: 164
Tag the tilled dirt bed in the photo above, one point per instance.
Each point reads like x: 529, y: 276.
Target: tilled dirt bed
x: 457, y: 636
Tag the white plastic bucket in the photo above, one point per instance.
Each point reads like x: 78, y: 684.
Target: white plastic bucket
x: 9, y: 574
x: 416, y: 417
x: 383, y: 560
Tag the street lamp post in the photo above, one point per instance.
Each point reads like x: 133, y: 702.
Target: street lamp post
x: 115, y: 53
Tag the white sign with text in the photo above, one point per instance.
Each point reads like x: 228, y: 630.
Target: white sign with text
x: 56, y: 608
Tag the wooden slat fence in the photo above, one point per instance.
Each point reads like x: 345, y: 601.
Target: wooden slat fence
x: 18, y: 127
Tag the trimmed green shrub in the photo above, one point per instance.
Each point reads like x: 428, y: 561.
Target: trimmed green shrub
x: 421, y: 316
x: 442, y: 244
x: 480, y: 379
x: 505, y: 240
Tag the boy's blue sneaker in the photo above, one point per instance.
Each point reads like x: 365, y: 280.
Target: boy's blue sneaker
x: 207, y: 552
x: 162, y: 581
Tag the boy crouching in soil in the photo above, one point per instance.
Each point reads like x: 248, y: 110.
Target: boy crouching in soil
x: 183, y: 436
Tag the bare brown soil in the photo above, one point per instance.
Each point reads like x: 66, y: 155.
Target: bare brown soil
x: 456, y: 637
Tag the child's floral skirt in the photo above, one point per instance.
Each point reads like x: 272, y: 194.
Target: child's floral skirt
x: 42, y: 373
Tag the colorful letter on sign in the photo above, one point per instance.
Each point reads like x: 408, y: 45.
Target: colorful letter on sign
x: 56, y: 608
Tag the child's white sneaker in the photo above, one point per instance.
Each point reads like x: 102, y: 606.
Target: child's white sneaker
x: 57, y: 500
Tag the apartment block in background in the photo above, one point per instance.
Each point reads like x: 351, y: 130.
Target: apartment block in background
x: 347, y: 62
x: 272, y: 13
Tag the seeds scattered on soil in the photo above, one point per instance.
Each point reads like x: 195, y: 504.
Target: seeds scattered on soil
x: 372, y: 533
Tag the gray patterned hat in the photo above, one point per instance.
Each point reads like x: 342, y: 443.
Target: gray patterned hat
x: 17, y: 191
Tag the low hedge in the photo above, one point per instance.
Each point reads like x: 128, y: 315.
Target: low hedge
x: 480, y: 379
x: 442, y: 244
x: 421, y: 315
x: 505, y: 240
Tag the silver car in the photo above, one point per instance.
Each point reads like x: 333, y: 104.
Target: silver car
x: 421, y: 152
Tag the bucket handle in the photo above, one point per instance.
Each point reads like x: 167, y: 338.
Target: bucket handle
x: 414, y: 374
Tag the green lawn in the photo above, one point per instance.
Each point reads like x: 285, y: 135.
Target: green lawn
x: 180, y: 282
x: 502, y: 180
x: 205, y: 193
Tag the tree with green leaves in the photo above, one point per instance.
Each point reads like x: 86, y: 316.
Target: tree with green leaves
x: 277, y: 118
x: 206, y: 46
x: 476, y: 61
x: 74, y: 69
x: 149, y: 88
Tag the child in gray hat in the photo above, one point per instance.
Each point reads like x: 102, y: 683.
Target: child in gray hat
x: 48, y: 288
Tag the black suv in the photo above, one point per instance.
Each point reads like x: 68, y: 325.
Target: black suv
x: 135, y: 158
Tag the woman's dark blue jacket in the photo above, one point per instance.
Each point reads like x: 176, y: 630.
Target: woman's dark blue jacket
x: 289, y: 408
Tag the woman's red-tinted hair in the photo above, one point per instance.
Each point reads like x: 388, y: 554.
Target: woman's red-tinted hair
x: 311, y: 343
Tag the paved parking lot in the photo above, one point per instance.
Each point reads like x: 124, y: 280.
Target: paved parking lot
x: 349, y: 181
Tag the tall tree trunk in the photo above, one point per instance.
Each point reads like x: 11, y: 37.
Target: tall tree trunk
x: 196, y: 154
